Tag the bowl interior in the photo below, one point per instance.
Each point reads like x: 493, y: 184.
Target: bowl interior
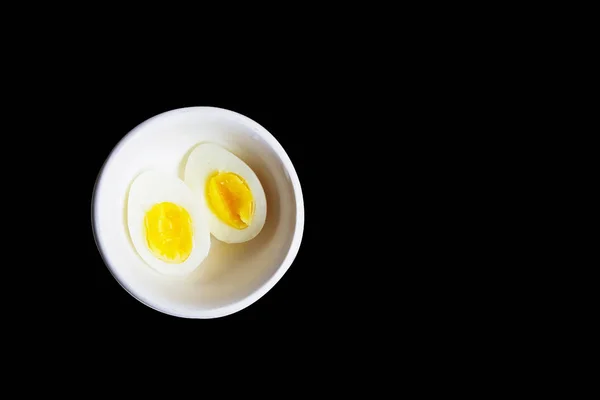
x: 231, y: 272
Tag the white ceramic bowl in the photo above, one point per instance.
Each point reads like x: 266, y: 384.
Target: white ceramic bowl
x: 233, y: 276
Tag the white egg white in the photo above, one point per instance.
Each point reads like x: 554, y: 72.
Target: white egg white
x: 150, y: 188
x: 208, y: 158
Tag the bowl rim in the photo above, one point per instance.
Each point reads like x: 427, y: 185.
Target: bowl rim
x: 283, y: 267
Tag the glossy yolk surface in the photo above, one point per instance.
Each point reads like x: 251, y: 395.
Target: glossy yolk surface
x: 230, y: 199
x: 169, y: 232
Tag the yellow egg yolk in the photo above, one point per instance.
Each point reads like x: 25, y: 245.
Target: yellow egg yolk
x: 230, y: 199
x: 169, y: 232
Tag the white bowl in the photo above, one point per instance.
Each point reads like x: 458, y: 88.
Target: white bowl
x: 233, y: 276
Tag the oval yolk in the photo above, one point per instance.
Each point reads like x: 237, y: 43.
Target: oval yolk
x: 230, y: 199
x: 169, y: 232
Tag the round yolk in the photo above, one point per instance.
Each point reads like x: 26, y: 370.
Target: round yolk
x: 169, y: 232
x: 230, y: 199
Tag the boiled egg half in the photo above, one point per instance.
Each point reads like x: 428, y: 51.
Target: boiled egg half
x: 229, y: 191
x: 166, y: 224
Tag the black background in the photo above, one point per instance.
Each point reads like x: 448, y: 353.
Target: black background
x: 373, y: 153
x: 375, y: 127
x: 360, y: 141
x: 358, y: 152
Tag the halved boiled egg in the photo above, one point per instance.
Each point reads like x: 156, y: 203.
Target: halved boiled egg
x: 166, y: 224
x: 229, y: 191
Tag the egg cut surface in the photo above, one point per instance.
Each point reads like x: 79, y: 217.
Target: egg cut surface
x: 166, y: 224
x: 229, y: 191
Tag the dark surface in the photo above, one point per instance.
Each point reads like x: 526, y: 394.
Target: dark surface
x: 351, y: 270
x: 374, y: 143
x: 366, y: 263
